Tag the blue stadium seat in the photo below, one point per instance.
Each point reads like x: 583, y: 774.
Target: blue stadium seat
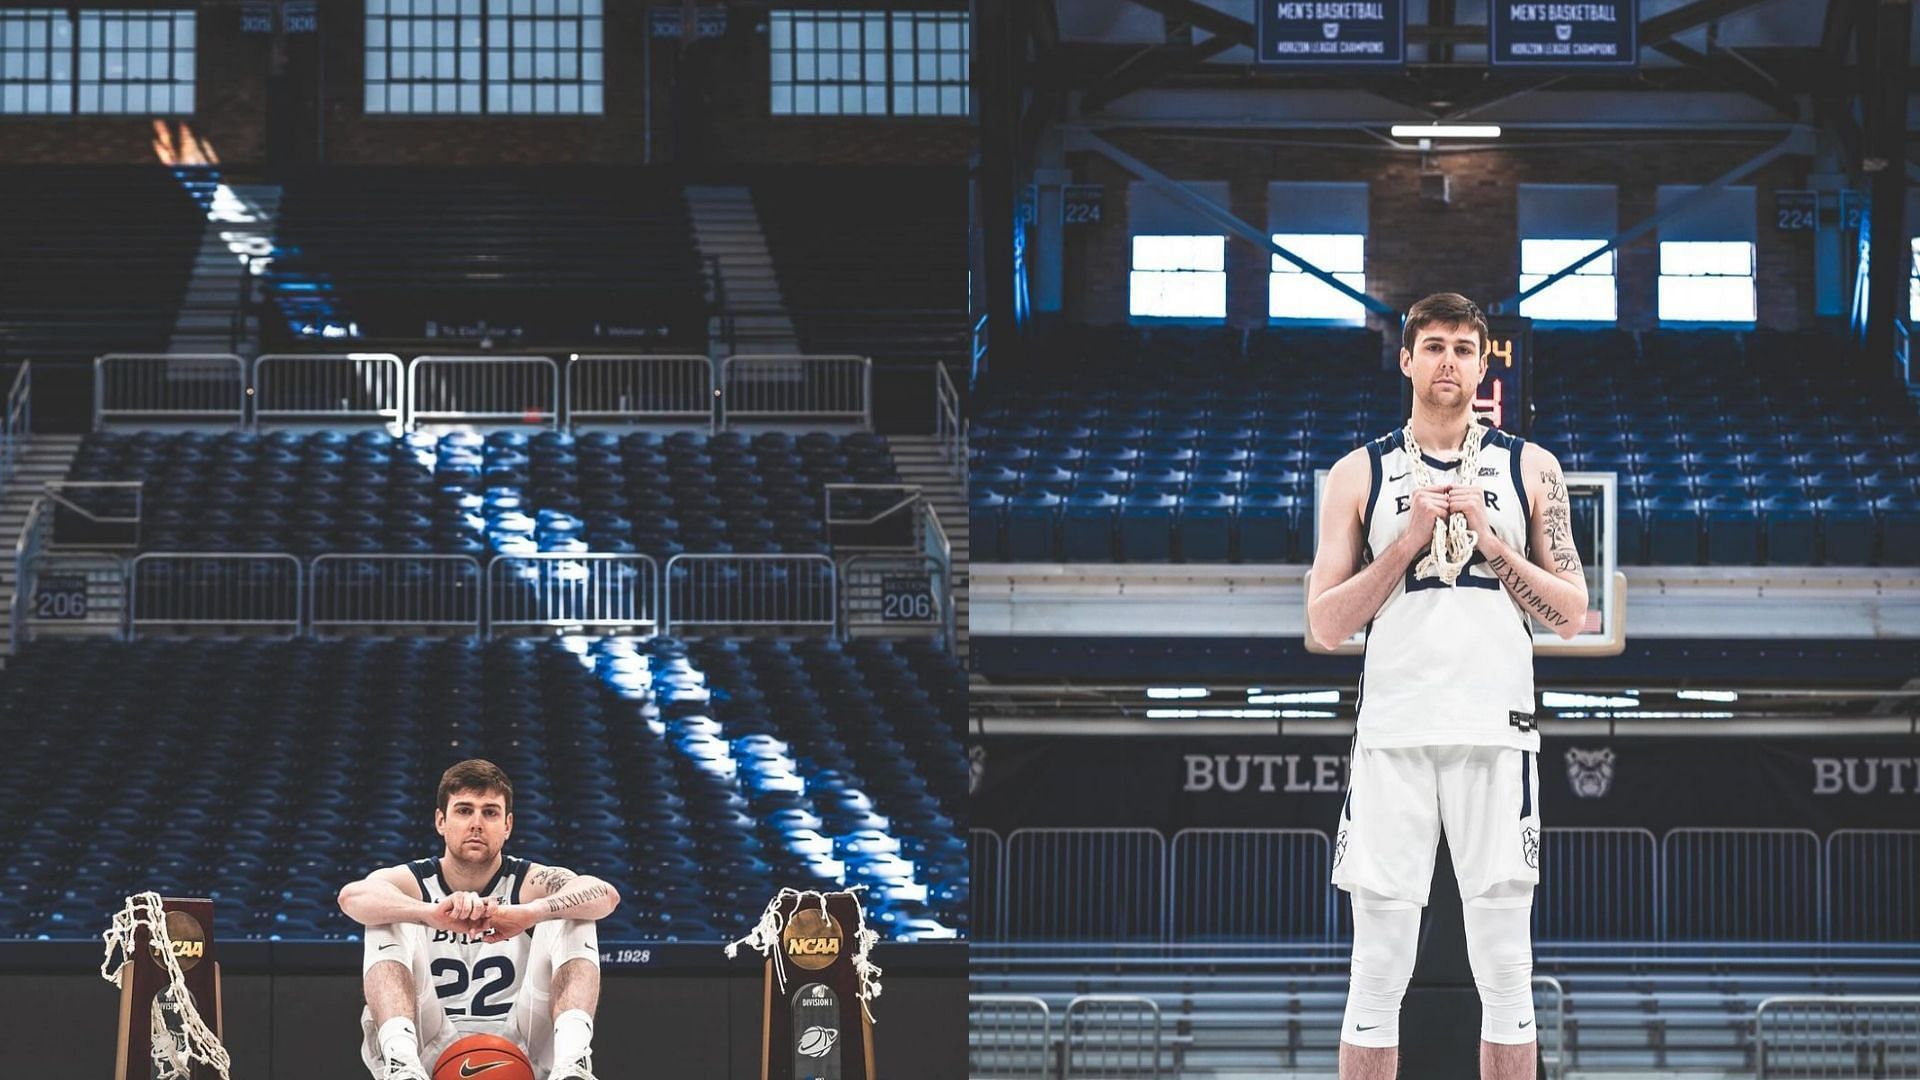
x: 1206, y: 526
x: 1732, y: 533
x: 1032, y: 517
x: 1266, y: 527
x: 1146, y: 526
x: 1673, y: 529
x: 1791, y: 529
x: 1087, y: 526
x: 1848, y: 529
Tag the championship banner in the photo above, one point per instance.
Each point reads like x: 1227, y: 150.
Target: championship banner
x: 1332, y: 33
x: 1571, y: 35
x: 816, y: 1025
x: 1298, y: 782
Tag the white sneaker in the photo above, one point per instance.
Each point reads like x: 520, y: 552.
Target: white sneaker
x: 405, y: 1070
x: 579, y: 1070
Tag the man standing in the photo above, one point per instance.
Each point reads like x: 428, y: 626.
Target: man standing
x: 1443, y: 540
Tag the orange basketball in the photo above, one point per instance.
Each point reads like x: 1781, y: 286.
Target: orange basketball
x: 483, y: 1055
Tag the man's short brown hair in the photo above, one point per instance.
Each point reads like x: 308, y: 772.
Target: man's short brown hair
x: 1442, y: 309
x: 474, y: 774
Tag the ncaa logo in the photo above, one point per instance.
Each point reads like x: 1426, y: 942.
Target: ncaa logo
x: 1590, y: 772
x: 1563, y: 31
x: 1330, y: 29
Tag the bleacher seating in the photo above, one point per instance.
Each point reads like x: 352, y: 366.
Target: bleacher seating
x: 871, y: 260
x: 507, y: 492
x: 1194, y: 446
x: 95, y: 259
x: 267, y: 774
x: 552, y: 255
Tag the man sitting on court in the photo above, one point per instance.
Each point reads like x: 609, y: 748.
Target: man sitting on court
x: 476, y: 941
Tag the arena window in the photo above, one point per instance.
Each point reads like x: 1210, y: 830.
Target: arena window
x: 1586, y: 295
x: 1325, y: 224
x: 1560, y: 223
x: 1294, y: 294
x: 1178, y: 277
x: 125, y: 61
x: 1179, y: 258
x: 869, y: 63
x: 1707, y: 258
x: 538, y: 57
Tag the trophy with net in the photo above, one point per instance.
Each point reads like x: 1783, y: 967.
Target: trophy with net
x: 159, y: 952
x: 819, y: 981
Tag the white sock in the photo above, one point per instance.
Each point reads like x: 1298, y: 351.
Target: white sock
x: 398, y: 1042
x: 572, y: 1036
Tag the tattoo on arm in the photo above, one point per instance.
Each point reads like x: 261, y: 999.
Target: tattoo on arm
x: 552, y: 878
x: 1558, y: 521
x: 1509, y: 575
x: 557, y: 904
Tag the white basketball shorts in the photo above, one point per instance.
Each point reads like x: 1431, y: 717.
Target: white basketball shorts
x: 528, y: 1022
x: 1399, y: 799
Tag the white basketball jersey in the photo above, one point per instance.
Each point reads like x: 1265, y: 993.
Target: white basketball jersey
x: 476, y: 981
x: 1447, y: 665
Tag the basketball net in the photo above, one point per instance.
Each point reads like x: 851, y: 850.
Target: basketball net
x: 174, y: 1055
x: 764, y: 939
x: 1453, y: 542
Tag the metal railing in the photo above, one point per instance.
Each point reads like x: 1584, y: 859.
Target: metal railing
x: 630, y: 389
x: 1872, y: 884
x: 1251, y: 885
x: 935, y: 545
x: 835, y: 389
x: 1087, y: 884
x: 1009, y: 1037
x: 790, y: 592
x: 483, y: 390
x: 80, y: 590
x: 96, y: 513
x: 258, y: 591
x: 1111, y: 1037
x: 18, y: 424
x: 987, y: 879
x: 1740, y: 884
x: 564, y: 590
x: 1598, y: 885
x: 389, y: 591
x: 332, y: 388
x: 1550, y: 1025
x: 873, y: 517
x: 1802, y: 1038
x: 149, y: 388
x: 722, y: 308
x: 948, y: 426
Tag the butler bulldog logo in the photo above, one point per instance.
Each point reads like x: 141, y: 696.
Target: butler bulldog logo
x: 1340, y: 847
x: 1563, y: 31
x: 1530, y: 846
x: 1330, y: 29
x: 1590, y: 772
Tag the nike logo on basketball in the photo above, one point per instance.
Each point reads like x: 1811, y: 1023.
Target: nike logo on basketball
x: 472, y: 1070
x: 1390, y: 480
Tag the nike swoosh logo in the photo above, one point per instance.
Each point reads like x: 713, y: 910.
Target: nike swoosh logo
x: 1524, y: 1023
x: 469, y: 1070
x: 1365, y: 1027
x: 1390, y: 480
x: 391, y: 945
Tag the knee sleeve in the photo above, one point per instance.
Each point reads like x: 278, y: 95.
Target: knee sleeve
x: 394, y: 943
x: 576, y: 940
x: 1386, y: 937
x: 1500, y: 948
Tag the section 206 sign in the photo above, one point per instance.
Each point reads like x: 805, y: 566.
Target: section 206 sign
x: 1317, y: 33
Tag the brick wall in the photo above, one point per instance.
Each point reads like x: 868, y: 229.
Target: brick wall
x: 709, y: 110
x: 1414, y: 247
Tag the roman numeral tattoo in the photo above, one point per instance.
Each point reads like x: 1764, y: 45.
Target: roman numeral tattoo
x: 1509, y: 576
x: 588, y: 895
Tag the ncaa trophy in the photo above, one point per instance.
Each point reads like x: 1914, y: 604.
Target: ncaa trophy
x: 816, y: 1024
